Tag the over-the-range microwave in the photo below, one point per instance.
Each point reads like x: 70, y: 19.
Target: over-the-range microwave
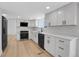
x: 24, y: 24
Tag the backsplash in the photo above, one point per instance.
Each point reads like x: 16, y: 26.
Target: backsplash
x: 71, y: 30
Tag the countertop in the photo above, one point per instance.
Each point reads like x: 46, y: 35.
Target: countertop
x: 60, y: 36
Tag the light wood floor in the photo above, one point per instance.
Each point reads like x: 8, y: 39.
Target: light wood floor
x: 26, y: 48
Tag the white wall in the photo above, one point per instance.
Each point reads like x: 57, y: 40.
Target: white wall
x: 11, y: 26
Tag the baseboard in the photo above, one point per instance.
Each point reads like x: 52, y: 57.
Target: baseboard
x: 11, y: 36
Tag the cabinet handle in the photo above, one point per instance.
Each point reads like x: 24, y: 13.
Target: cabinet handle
x: 61, y: 41
x: 61, y: 48
x: 59, y: 55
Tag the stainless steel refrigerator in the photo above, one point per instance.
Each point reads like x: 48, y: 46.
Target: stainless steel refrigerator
x: 4, y: 33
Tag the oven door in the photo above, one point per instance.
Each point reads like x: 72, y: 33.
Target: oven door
x: 24, y: 35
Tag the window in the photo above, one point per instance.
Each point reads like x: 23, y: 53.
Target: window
x: 40, y: 23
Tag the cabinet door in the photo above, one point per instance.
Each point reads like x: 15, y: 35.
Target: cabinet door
x: 48, y: 20
x: 60, y: 17
x: 70, y: 14
x: 32, y: 23
x: 53, y: 46
x: 53, y: 19
x: 50, y: 45
x: 36, y: 37
x: 31, y: 35
x: 47, y: 43
x: 56, y: 18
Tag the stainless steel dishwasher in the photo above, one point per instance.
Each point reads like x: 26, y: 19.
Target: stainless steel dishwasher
x: 41, y: 40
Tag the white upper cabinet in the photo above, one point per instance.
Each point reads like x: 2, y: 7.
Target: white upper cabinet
x: 36, y: 23
x: 32, y: 23
x: 70, y: 14
x: 53, y: 18
x: 66, y: 15
x: 56, y: 18
x: 40, y: 23
x: 60, y: 17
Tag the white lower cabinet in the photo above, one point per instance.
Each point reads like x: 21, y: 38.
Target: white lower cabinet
x: 60, y: 47
x: 49, y: 43
x: 35, y: 37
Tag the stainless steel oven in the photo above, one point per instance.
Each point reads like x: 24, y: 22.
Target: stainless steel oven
x: 24, y: 35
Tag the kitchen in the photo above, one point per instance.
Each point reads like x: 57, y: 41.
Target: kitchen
x: 55, y: 32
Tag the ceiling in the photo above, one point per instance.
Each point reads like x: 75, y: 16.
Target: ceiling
x: 28, y: 9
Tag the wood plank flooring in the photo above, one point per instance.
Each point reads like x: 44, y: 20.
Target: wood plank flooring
x: 26, y: 48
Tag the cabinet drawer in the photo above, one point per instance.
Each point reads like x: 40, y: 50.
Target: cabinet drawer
x: 60, y: 41
x: 62, y: 54
x: 62, y: 47
x: 62, y: 50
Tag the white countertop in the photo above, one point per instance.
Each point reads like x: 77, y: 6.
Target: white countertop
x: 60, y: 36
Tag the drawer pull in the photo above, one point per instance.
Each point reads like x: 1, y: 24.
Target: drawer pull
x: 61, y: 41
x: 61, y: 48
x: 59, y: 56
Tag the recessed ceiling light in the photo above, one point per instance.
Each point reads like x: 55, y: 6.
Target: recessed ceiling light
x: 47, y: 7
